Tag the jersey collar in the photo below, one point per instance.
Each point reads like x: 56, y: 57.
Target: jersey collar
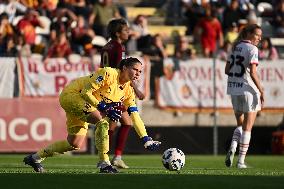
x: 246, y: 41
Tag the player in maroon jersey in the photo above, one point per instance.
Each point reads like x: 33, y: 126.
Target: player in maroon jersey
x: 114, y: 51
x: 111, y: 55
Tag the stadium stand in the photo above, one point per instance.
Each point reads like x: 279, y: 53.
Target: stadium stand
x: 166, y: 31
x: 132, y: 12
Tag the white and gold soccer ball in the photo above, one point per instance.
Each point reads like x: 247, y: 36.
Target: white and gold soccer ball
x: 173, y: 159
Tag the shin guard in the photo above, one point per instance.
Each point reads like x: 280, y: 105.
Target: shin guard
x: 102, y: 139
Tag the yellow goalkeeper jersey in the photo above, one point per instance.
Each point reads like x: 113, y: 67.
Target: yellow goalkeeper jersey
x: 103, y: 85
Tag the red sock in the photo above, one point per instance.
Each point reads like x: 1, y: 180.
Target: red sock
x: 121, y: 139
x: 110, y: 134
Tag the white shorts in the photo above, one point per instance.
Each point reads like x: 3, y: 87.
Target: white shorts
x: 246, y: 103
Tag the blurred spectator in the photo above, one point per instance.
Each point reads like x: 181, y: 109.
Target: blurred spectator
x: 223, y: 53
x: 248, y: 5
x: 100, y: 16
x: 6, y: 28
x: 251, y: 17
x: 8, y: 47
x: 156, y: 53
x: 140, y: 26
x: 61, y: 22
x: 174, y: 12
x: 121, y: 8
x: 28, y: 24
x: 66, y: 4
x: 139, y: 33
x: 242, y: 23
x: 82, y: 36
x: 232, y: 33
x: 60, y: 48
x: 267, y: 51
x: 278, y: 19
x: 47, y: 7
x: 183, y: 51
x: 194, y: 11
x: 231, y: 14
x: 34, y: 4
x: 23, y: 48
x: 81, y: 8
x: 11, y: 7
x: 211, y: 31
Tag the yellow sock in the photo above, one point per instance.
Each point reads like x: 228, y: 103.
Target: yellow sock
x: 102, y: 139
x: 56, y: 148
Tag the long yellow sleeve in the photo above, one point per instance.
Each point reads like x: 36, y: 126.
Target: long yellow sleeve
x: 138, y: 124
x: 87, y: 94
x: 95, y: 82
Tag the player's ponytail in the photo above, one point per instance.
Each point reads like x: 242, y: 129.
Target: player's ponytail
x: 244, y: 33
x: 128, y: 62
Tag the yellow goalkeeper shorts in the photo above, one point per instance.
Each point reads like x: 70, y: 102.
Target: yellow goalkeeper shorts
x: 76, y: 109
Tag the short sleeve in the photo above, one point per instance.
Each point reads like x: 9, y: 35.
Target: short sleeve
x: 253, y: 55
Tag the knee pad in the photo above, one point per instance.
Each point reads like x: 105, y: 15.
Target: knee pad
x: 102, y: 126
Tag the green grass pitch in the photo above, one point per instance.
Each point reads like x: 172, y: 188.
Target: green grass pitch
x: 146, y: 172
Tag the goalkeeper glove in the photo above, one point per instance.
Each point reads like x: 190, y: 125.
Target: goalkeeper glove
x: 150, y: 144
x: 118, y: 106
x: 113, y: 113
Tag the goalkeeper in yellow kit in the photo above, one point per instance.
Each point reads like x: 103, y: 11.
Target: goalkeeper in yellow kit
x: 97, y: 99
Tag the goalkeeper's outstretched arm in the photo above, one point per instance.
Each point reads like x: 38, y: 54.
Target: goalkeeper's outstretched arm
x: 141, y: 130
x: 137, y: 122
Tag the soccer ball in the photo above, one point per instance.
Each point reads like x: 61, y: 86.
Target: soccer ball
x: 173, y: 159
